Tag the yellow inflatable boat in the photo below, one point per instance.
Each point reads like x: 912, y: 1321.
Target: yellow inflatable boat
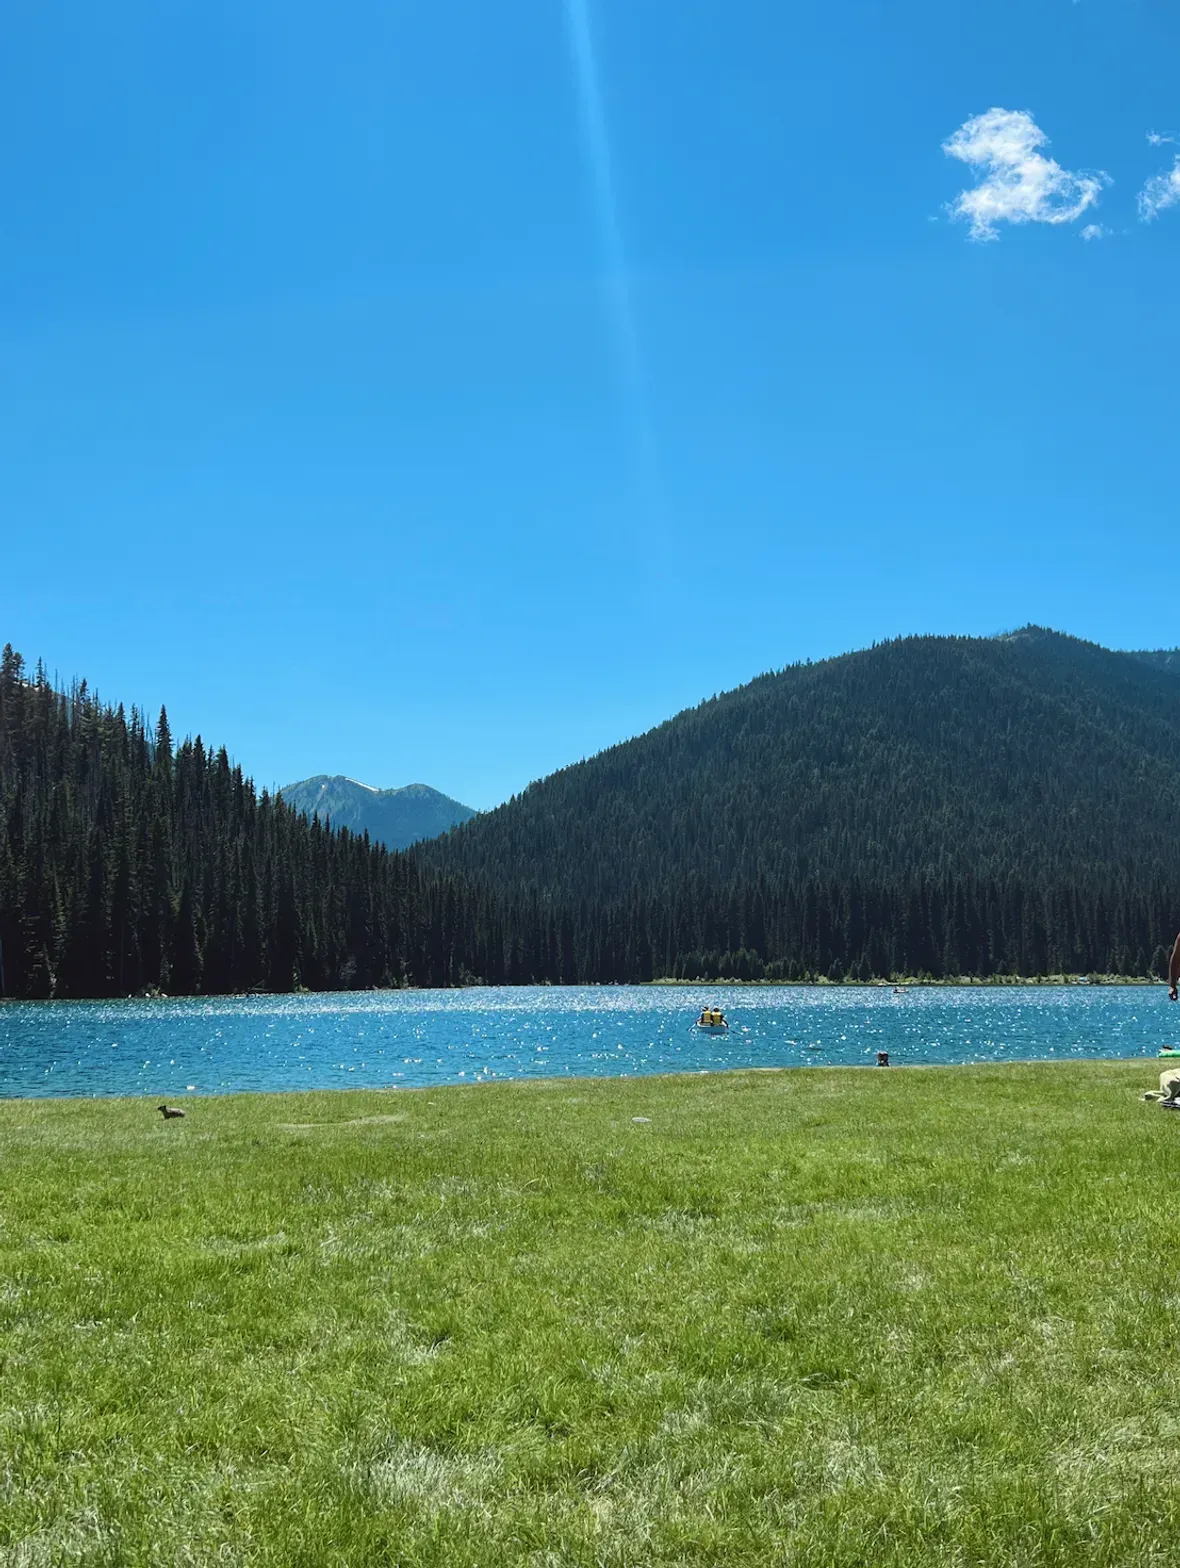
x: 712, y: 1021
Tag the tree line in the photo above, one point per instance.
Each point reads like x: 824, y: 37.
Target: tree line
x: 812, y: 929
x: 131, y: 864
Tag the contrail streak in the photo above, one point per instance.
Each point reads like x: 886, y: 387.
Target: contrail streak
x: 614, y: 257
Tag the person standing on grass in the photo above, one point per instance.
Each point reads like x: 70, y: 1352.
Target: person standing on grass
x: 1174, y: 972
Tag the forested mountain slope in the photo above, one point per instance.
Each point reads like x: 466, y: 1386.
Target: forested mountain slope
x: 1034, y: 756
x: 937, y: 806
x: 396, y: 818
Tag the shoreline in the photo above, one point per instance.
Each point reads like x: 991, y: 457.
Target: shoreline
x: 916, y: 983
x: 905, y: 982
x: 581, y: 1079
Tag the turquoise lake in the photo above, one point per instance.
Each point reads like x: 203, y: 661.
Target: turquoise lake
x: 405, y: 1039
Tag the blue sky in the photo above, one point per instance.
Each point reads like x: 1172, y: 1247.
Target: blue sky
x: 401, y: 390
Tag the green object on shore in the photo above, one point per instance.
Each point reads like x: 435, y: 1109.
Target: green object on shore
x: 820, y: 1317
x: 1170, y: 1050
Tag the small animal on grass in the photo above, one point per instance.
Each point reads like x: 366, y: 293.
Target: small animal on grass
x: 168, y: 1112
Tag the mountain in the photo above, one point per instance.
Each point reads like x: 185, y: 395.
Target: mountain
x: 883, y: 804
x: 396, y: 818
x: 1032, y: 754
x: 940, y: 806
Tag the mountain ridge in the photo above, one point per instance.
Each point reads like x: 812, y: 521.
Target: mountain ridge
x: 397, y: 818
x: 1034, y: 750
x: 933, y: 806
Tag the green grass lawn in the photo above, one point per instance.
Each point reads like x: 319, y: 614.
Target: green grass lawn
x: 813, y: 1317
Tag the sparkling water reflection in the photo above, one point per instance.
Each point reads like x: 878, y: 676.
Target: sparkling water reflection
x: 218, y: 1045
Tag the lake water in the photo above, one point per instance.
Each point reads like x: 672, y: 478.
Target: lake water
x: 405, y: 1039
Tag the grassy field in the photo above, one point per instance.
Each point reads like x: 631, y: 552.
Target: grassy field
x: 801, y: 1318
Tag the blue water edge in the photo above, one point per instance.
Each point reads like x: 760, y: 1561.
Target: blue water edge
x: 407, y: 1039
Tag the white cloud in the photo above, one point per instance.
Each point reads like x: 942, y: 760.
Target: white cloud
x: 1094, y: 231
x: 1162, y: 190
x: 1157, y: 140
x: 1018, y: 184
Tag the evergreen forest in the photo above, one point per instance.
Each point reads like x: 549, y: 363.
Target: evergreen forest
x: 128, y: 865
x: 932, y: 806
